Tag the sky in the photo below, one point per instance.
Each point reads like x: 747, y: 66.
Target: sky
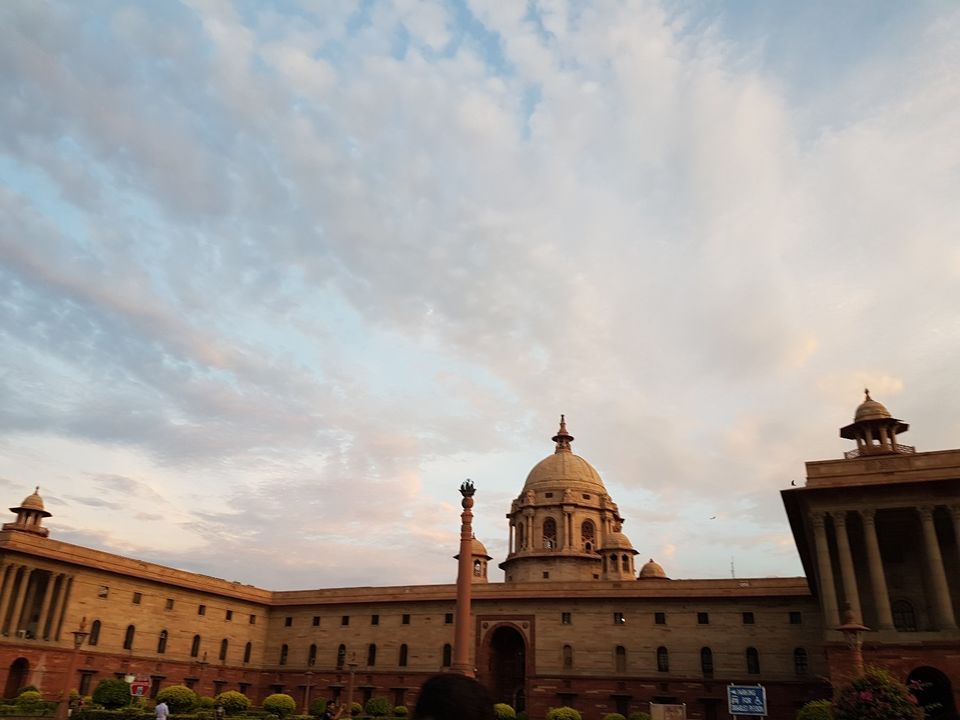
x: 276, y: 277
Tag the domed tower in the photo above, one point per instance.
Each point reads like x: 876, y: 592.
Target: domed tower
x: 563, y: 521
x: 30, y: 515
x: 875, y: 431
x: 617, y: 556
x: 479, y: 558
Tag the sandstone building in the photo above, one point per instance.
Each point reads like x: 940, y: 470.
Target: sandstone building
x: 575, y: 622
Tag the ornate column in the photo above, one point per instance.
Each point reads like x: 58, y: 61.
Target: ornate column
x: 828, y: 593
x: 847, y: 573
x: 878, y: 581
x: 943, y: 608
x: 461, y: 642
x: 18, y: 602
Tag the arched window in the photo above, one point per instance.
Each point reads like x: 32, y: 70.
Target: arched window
x: 128, y: 637
x: 706, y: 662
x: 621, y: 659
x: 605, y: 562
x: 521, y: 537
x: 402, y: 661
x: 284, y: 651
x: 663, y: 659
x: 195, y: 646
x: 312, y: 655
x: 753, y: 661
x: 246, y: 652
x: 94, y: 633
x: 477, y: 569
x: 800, y: 664
x: 447, y: 655
x: 223, y: 650
x: 549, y: 533
x: 625, y: 563
x: 567, y: 657
x: 588, y: 535
x: 371, y: 655
x: 162, y: 642
x: 341, y: 656
x: 904, y: 618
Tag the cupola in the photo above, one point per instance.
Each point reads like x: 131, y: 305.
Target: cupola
x: 479, y: 558
x: 30, y: 514
x: 875, y: 431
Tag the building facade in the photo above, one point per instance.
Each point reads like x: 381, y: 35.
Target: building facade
x: 574, y: 622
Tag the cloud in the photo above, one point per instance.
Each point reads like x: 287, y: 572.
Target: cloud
x: 295, y: 265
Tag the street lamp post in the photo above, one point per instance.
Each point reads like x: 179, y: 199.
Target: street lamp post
x: 353, y: 668
x: 853, y: 634
x: 79, y: 636
x: 306, y: 693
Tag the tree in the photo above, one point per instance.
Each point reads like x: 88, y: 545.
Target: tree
x: 876, y: 695
x: 234, y: 702
x: 179, y: 698
x: 112, y: 694
x: 279, y: 704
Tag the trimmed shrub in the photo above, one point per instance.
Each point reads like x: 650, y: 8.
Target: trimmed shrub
x: 206, y: 702
x: 279, y: 704
x: 504, y: 712
x: 27, y: 688
x: 876, y: 695
x: 377, y: 707
x: 816, y: 710
x: 112, y: 693
x: 29, y: 697
x: 356, y: 708
x: 639, y: 715
x: 400, y: 711
x: 179, y: 698
x: 614, y: 716
x: 563, y: 713
x: 233, y: 702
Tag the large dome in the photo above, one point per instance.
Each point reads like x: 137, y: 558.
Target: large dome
x: 565, y: 470
x: 870, y: 409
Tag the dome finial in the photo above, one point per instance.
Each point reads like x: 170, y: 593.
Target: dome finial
x: 562, y: 438
x: 866, y: 392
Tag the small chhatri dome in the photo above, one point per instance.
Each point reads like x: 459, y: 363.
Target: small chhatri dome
x: 652, y: 571
x: 616, y: 540
x: 563, y: 469
x: 477, y: 548
x: 32, y: 502
x: 870, y: 409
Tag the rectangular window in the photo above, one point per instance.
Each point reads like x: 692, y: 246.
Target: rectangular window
x: 619, y: 619
x: 448, y: 618
x: 201, y: 609
x: 405, y: 619
x: 169, y: 605
x: 345, y: 620
x: 703, y: 618
x: 374, y: 619
x: 288, y: 622
x: 546, y: 574
x: 565, y: 618
x: 229, y: 614
x: 253, y: 619
x: 660, y: 618
x: 796, y: 618
x: 316, y: 620
x: 748, y: 618
x: 103, y: 591
x: 137, y: 597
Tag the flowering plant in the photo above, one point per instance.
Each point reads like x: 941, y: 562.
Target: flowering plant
x: 876, y: 695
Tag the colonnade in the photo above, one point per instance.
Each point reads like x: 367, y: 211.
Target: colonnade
x: 936, y: 577
x: 27, y: 592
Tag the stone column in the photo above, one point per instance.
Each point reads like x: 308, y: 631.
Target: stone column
x: 878, y: 581
x: 461, y: 634
x: 955, y: 514
x: 943, y: 608
x: 18, y: 603
x: 847, y: 573
x: 45, y: 608
x: 513, y: 533
x: 828, y: 594
x: 8, y: 590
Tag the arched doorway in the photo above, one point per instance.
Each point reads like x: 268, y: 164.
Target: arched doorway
x: 932, y: 690
x: 507, y: 667
x: 16, y: 677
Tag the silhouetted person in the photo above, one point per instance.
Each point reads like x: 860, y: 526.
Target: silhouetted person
x: 453, y: 697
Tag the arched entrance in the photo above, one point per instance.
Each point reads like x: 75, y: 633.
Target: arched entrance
x: 932, y: 690
x: 507, y: 667
x: 16, y: 677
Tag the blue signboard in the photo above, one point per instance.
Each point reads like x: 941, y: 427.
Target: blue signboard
x: 748, y: 700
